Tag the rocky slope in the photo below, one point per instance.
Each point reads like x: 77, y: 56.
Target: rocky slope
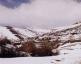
x: 65, y: 34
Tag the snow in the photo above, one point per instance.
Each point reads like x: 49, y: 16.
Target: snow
x: 69, y: 37
x: 66, y: 27
x: 9, y: 46
x: 70, y: 53
x: 25, y: 32
x: 42, y: 31
x: 26, y: 60
x: 6, y: 33
x: 77, y: 36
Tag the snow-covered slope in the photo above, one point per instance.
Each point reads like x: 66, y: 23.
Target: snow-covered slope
x: 64, y: 33
x: 19, y: 33
x: 13, y: 33
x: 70, y: 33
x: 42, y: 31
x: 25, y: 32
x: 4, y: 32
x: 64, y: 28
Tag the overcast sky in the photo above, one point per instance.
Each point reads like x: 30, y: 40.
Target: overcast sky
x: 40, y: 13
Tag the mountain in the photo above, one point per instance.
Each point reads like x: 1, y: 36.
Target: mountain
x: 12, y: 38
x: 65, y: 34
x: 38, y: 42
x: 69, y: 53
x: 16, y: 33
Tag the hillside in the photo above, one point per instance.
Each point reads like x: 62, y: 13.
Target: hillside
x: 61, y: 45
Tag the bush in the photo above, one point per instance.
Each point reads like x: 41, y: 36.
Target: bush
x: 45, y: 48
x: 7, y: 49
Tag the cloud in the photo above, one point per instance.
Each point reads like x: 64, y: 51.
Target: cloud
x: 42, y: 14
x: 13, y: 3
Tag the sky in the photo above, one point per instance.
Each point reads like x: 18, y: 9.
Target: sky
x: 39, y: 13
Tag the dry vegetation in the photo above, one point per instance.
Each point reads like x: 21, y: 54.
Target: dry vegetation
x: 28, y: 48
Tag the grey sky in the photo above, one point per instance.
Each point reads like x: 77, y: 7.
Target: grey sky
x: 42, y: 14
x: 13, y: 3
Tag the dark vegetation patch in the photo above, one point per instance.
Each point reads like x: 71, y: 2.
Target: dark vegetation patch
x: 29, y: 48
